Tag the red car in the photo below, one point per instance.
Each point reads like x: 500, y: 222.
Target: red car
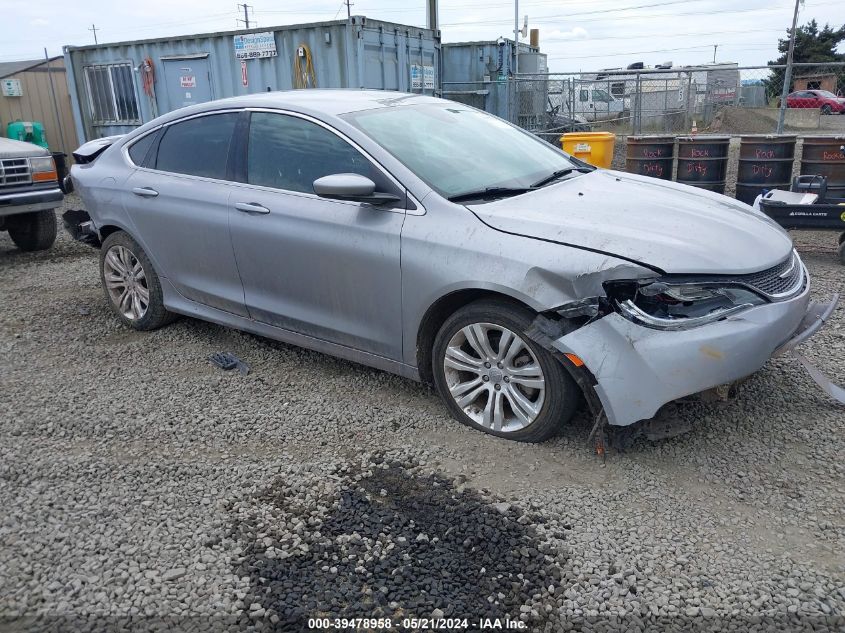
x: 823, y: 100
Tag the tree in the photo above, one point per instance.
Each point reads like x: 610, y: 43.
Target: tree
x: 811, y: 46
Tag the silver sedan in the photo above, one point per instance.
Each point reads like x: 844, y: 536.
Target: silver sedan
x: 427, y: 238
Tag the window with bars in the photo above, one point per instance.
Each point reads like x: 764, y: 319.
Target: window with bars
x: 111, y: 94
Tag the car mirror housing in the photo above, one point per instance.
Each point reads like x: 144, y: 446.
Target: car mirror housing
x: 354, y: 187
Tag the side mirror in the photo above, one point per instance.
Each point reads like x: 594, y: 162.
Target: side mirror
x: 353, y: 187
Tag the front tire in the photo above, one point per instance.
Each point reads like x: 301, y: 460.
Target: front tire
x: 131, y: 285
x: 34, y: 231
x: 493, y: 378
x: 826, y: 109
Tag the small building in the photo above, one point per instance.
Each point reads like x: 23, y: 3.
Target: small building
x: 116, y: 87
x: 815, y: 81
x: 27, y: 93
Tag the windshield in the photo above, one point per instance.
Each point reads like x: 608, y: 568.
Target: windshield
x: 456, y: 149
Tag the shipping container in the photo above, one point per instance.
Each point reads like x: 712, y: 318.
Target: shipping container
x: 477, y: 73
x: 116, y: 87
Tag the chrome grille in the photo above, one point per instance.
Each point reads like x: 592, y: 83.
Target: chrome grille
x: 14, y: 171
x: 779, y: 281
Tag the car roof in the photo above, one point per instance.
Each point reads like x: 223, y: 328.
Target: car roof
x: 319, y: 103
x: 332, y: 102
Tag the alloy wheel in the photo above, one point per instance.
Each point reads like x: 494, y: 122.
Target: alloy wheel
x: 494, y: 377
x: 126, y: 282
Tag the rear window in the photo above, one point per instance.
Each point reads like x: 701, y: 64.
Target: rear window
x: 198, y: 147
x: 139, y: 149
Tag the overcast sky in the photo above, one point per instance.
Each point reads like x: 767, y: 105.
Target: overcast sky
x: 577, y: 35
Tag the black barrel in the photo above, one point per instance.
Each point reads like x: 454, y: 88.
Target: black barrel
x: 60, y: 158
x: 765, y: 162
x: 650, y: 156
x: 703, y: 161
x: 825, y: 156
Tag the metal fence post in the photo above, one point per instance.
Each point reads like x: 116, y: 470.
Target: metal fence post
x: 787, y: 76
x: 638, y: 115
x: 689, y: 111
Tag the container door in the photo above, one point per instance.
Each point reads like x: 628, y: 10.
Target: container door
x: 187, y: 82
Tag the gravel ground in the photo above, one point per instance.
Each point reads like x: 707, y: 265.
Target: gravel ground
x: 141, y: 487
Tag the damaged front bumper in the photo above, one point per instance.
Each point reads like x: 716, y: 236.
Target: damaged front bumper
x: 638, y: 369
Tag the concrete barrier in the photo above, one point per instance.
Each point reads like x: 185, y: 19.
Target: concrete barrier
x: 802, y: 118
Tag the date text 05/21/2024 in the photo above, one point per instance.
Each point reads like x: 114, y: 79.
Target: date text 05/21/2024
x: 415, y: 624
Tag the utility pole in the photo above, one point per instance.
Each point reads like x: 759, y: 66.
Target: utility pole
x: 432, y: 15
x: 94, y: 30
x: 348, y: 9
x: 715, y: 46
x: 787, y: 75
x: 246, y: 8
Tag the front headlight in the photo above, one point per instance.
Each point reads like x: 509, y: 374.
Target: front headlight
x: 669, y: 306
x: 43, y: 169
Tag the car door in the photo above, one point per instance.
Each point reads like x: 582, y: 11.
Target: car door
x: 811, y: 99
x: 179, y: 201
x: 324, y: 268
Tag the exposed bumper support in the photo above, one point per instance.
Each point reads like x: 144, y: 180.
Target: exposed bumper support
x: 816, y: 316
x: 638, y: 369
x: 79, y: 225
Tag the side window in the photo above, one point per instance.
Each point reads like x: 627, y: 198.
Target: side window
x: 585, y: 95
x: 198, y: 147
x: 290, y: 153
x: 139, y: 149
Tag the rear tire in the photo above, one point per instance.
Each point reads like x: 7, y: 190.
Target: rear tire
x: 826, y: 109
x: 523, y: 392
x: 34, y: 231
x: 131, y: 285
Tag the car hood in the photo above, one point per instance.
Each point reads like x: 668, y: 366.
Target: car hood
x: 671, y: 227
x: 11, y: 148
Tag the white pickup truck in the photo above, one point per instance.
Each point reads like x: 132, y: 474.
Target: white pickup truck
x: 29, y: 193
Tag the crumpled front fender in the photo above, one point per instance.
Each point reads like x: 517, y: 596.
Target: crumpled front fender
x: 639, y: 369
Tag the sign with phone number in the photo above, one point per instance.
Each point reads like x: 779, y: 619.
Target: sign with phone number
x: 255, y: 45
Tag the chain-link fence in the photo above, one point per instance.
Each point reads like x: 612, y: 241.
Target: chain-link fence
x: 718, y: 98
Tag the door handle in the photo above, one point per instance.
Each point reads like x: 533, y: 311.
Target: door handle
x: 145, y: 192
x: 251, y: 207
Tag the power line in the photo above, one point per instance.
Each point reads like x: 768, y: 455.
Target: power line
x: 659, y: 50
x: 556, y: 18
x: 552, y: 40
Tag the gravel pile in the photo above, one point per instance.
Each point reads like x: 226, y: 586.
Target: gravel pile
x: 391, y: 538
x: 142, y: 487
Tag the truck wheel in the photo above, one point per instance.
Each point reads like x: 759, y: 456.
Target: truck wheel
x: 34, y: 231
x: 131, y: 285
x: 494, y: 378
